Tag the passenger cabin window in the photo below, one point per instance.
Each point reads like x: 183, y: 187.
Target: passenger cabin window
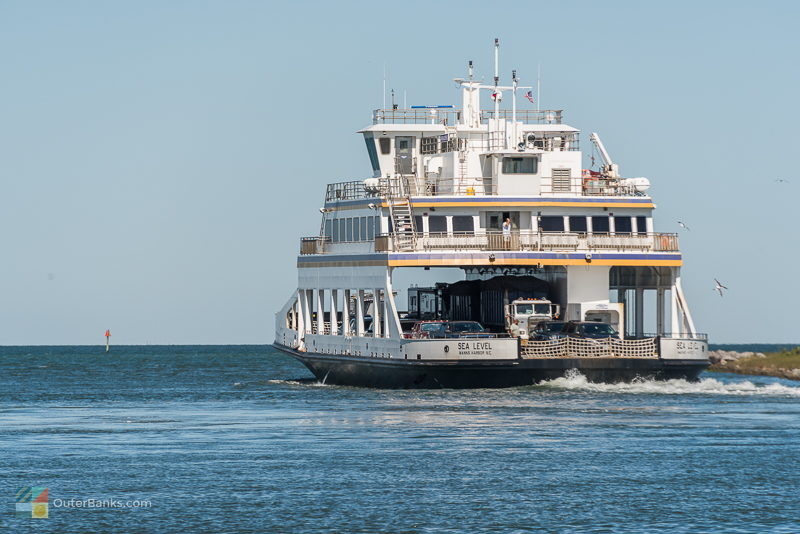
x: 463, y: 223
x: 577, y: 225
x: 520, y: 165
x: 437, y: 224
x: 622, y: 225
x: 641, y: 225
x: 600, y: 225
x: 551, y: 223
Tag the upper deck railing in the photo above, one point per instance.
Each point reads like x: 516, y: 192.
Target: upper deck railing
x: 476, y: 186
x: 451, y: 116
x: 518, y: 240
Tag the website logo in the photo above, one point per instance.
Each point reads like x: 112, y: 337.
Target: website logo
x: 32, y: 501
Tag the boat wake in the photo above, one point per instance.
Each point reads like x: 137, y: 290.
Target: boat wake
x: 300, y: 382
x: 575, y: 381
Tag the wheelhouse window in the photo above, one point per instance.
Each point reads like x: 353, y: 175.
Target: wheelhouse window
x: 373, y: 155
x: 521, y: 165
x: 430, y: 145
x: 386, y: 145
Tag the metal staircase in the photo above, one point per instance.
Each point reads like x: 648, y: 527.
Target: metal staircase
x: 401, y: 213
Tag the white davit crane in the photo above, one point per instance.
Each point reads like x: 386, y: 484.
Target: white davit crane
x: 610, y: 169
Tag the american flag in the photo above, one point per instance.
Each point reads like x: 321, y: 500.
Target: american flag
x: 529, y: 96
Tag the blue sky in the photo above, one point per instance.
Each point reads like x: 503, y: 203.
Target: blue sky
x: 159, y: 161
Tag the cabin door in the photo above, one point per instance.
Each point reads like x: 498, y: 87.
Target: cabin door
x: 404, y: 158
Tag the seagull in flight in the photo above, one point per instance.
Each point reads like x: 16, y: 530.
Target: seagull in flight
x: 719, y: 287
x: 682, y: 225
x: 781, y: 180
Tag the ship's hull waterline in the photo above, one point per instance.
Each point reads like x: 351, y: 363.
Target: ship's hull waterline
x: 432, y: 374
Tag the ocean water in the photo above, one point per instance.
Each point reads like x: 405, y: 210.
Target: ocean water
x: 239, y: 439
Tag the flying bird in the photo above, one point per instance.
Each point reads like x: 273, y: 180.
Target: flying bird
x: 781, y: 181
x: 719, y: 287
x: 682, y: 225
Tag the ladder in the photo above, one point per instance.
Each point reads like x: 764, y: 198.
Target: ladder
x: 401, y: 213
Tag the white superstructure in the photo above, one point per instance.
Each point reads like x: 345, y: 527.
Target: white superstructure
x: 444, y: 181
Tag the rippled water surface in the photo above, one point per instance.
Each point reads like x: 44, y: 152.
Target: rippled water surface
x: 239, y: 439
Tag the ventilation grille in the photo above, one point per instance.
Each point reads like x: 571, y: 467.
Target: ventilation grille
x: 561, y: 179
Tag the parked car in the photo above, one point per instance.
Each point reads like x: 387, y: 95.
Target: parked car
x: 423, y: 329
x: 589, y: 330
x: 547, y: 330
x: 452, y: 329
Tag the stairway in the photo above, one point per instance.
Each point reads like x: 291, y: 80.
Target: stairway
x: 401, y: 213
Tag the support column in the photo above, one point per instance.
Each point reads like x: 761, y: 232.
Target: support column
x: 360, y: 314
x: 622, y: 298
x: 334, y: 312
x: 320, y: 300
x: 660, y: 310
x: 392, y: 328
x: 306, y: 310
x: 301, y: 320
x: 639, y: 327
x: 376, y: 312
x: 346, y: 313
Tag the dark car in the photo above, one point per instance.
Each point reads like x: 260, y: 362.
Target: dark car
x: 423, y: 329
x: 450, y: 329
x: 589, y: 330
x: 547, y: 330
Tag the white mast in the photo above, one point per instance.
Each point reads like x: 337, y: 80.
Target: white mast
x: 497, y: 80
x: 513, y: 107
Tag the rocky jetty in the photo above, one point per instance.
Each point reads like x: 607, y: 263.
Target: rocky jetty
x: 722, y: 357
x: 747, y: 363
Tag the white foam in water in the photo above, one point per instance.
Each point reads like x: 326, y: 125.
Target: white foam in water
x: 298, y: 383
x: 574, y: 380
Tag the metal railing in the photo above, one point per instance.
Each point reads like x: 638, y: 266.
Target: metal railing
x: 529, y: 240
x: 519, y: 241
x: 433, y: 186
x: 530, y: 116
x: 451, y: 116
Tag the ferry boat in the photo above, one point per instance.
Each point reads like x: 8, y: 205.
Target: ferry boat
x: 500, y: 196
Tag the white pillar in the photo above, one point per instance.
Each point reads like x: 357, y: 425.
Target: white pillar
x: 334, y: 312
x: 307, y: 310
x: 376, y: 312
x: 360, y: 313
x: 622, y: 298
x: 346, y: 313
x: 320, y: 294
